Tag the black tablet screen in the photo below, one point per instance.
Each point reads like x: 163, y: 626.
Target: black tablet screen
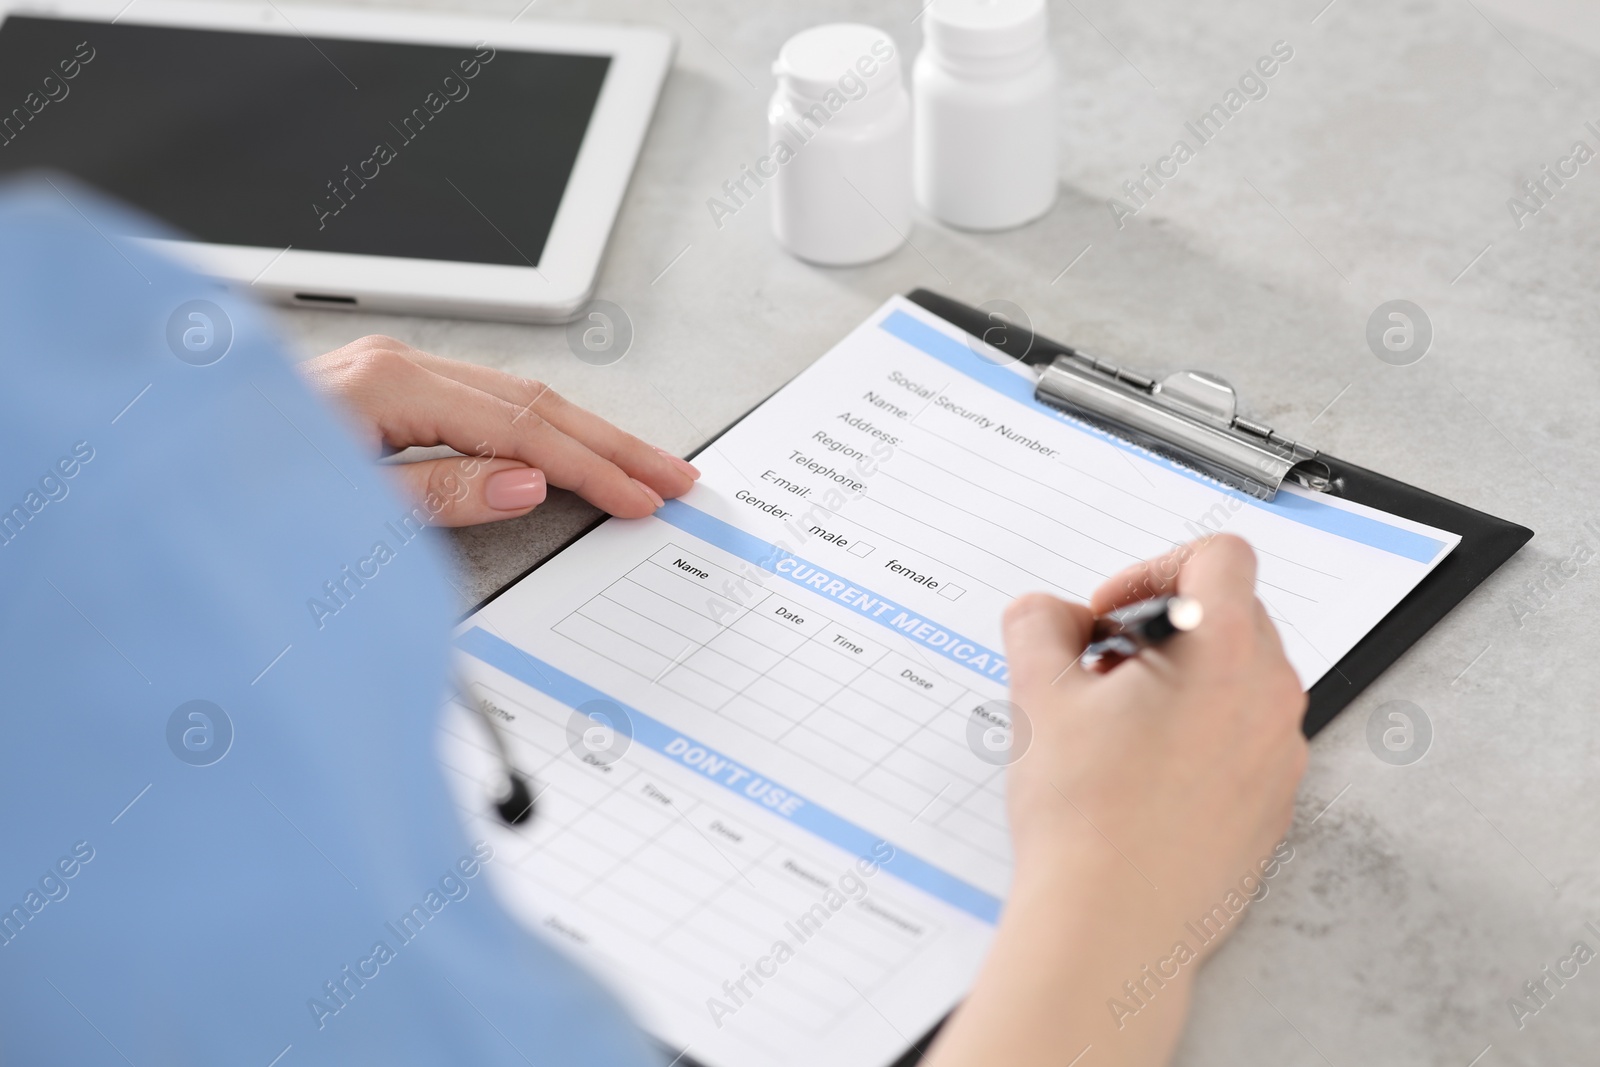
x: 268, y: 139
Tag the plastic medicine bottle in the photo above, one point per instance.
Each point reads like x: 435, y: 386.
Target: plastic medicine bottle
x: 839, y: 129
x: 984, y: 87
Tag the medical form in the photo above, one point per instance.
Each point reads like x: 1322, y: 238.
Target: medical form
x: 763, y: 721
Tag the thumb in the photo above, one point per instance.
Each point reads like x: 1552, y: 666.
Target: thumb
x: 464, y: 490
x: 1044, y: 637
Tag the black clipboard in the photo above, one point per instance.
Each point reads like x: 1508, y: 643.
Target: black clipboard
x: 1486, y: 541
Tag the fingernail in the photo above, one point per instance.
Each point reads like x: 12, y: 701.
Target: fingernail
x: 682, y: 464
x: 654, y: 496
x: 515, y: 489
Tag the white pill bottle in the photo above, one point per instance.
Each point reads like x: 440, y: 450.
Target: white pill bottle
x: 839, y: 132
x: 984, y: 90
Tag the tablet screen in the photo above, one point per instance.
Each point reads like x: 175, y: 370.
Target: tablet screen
x: 368, y: 147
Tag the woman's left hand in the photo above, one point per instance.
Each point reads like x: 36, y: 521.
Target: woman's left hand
x: 515, y: 434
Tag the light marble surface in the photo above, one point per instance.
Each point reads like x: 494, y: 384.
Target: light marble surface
x: 1420, y: 898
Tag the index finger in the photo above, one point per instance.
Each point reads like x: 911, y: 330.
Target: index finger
x: 441, y: 410
x: 595, y: 433
x: 1221, y: 574
x: 1150, y: 578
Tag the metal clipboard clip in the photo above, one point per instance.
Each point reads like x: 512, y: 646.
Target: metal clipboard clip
x: 1190, y: 417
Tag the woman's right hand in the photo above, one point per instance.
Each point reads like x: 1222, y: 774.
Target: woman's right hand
x: 1185, y: 757
x: 1146, y: 797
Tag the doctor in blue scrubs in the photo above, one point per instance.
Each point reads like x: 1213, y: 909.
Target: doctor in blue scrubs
x: 226, y: 837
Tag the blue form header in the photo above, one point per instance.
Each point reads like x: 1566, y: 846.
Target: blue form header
x: 819, y: 580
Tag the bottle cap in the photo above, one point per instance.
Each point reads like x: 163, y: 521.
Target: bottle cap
x: 812, y: 61
x: 985, y: 29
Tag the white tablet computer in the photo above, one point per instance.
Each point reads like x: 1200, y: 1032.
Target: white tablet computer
x: 343, y: 158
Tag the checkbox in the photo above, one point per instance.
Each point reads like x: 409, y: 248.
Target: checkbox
x: 860, y: 548
x: 951, y: 592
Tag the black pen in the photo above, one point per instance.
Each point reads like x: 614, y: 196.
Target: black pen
x: 1120, y: 634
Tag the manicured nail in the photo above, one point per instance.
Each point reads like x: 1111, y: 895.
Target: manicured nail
x: 514, y: 490
x: 654, y: 496
x: 682, y: 464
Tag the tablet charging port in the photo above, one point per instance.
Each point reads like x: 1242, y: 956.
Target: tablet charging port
x: 325, y: 299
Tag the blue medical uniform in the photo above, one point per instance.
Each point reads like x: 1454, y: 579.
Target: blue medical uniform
x: 227, y: 839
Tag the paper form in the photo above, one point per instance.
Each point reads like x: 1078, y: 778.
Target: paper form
x: 762, y: 719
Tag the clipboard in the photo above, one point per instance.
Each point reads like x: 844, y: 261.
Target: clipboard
x: 1191, y: 417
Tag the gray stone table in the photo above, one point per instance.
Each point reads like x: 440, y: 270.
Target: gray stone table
x: 1378, y: 166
